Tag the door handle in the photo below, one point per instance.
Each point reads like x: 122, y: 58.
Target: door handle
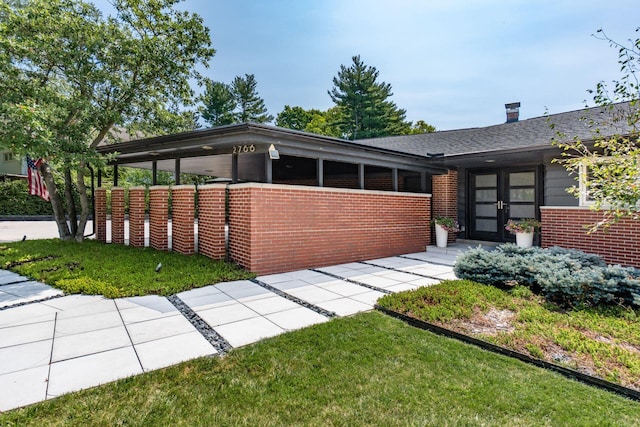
x: 500, y: 205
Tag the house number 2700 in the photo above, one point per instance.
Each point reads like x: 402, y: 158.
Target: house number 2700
x: 238, y: 149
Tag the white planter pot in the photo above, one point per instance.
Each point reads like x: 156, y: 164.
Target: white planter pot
x: 441, y: 236
x: 524, y: 240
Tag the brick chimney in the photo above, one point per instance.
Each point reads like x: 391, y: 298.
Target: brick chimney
x: 513, y: 112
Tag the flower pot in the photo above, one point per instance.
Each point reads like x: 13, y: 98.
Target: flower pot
x: 524, y: 240
x: 441, y: 236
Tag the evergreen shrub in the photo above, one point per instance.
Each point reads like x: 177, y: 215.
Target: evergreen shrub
x: 16, y: 200
x: 567, y: 277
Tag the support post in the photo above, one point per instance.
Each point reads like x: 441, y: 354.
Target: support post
x: 268, y: 169
x: 177, y: 171
x: 320, y: 172
x: 154, y: 173
x: 361, y: 176
x: 234, y: 168
x: 394, y: 179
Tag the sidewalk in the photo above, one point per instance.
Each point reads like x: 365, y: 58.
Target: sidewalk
x: 51, y: 344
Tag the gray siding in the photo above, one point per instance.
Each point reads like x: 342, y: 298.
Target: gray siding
x: 556, y: 182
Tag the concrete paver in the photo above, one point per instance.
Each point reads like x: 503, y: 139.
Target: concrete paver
x: 49, y: 347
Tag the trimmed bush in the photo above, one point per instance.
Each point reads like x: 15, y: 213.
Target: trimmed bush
x: 16, y: 200
x: 565, y: 276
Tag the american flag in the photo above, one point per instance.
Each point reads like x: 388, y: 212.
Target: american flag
x: 36, y: 182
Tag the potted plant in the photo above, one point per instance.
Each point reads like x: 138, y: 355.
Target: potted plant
x: 444, y: 226
x: 523, y: 230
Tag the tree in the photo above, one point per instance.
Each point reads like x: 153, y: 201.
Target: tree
x: 238, y: 102
x: 251, y: 107
x: 366, y: 110
x: 612, y: 160
x: 68, y: 76
x: 219, y: 104
x: 421, y: 127
x: 324, y: 123
x: 296, y: 118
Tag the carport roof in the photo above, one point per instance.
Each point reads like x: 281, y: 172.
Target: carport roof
x: 222, y: 140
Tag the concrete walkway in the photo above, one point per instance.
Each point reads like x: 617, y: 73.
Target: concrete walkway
x: 52, y: 344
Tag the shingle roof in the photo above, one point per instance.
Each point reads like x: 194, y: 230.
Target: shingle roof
x: 530, y: 133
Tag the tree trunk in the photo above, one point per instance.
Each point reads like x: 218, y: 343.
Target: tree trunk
x: 71, y: 203
x: 56, y: 202
x: 84, y: 203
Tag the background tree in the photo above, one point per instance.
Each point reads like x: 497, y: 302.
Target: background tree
x: 238, y: 102
x: 421, y: 127
x: 250, y: 106
x: 296, y: 118
x: 365, y: 109
x: 612, y: 161
x: 218, y: 104
x: 325, y: 123
x: 68, y: 76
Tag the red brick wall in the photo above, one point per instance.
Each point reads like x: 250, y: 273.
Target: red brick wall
x: 565, y: 227
x: 136, y: 216
x: 276, y: 228
x: 211, y: 220
x: 100, y: 201
x: 445, y: 197
x: 117, y: 215
x: 183, y: 214
x: 158, y: 217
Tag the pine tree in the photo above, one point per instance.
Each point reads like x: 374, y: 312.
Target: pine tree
x: 250, y: 106
x: 366, y: 110
x: 219, y: 104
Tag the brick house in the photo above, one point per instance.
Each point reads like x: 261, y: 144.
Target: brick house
x: 328, y: 198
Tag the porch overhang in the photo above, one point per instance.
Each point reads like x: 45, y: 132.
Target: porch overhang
x: 209, y: 151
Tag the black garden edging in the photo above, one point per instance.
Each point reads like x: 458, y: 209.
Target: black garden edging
x: 570, y: 373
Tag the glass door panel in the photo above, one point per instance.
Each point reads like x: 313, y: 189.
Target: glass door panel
x: 495, y: 196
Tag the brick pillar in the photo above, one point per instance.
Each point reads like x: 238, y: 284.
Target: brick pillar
x: 117, y: 215
x: 445, y: 198
x: 101, y: 214
x: 211, y: 212
x: 183, y: 203
x: 136, y: 216
x: 158, y: 217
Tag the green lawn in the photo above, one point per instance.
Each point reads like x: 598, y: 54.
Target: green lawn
x: 364, y: 370
x: 114, y: 271
x: 602, y: 341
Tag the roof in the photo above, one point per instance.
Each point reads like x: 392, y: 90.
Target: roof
x: 534, y: 133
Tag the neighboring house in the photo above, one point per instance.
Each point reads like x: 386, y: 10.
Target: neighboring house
x: 481, y: 176
x: 12, y: 166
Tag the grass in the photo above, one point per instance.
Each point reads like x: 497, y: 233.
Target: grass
x: 603, y: 342
x: 114, y: 271
x: 369, y: 369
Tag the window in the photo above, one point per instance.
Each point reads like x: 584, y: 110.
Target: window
x: 8, y: 157
x: 625, y: 177
x: 585, y: 199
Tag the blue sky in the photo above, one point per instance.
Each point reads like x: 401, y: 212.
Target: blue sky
x: 451, y: 63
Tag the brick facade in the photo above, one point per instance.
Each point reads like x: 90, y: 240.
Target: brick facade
x: 100, y: 203
x: 117, y: 215
x: 211, y: 218
x: 158, y: 217
x: 137, y: 207
x: 445, y: 197
x: 183, y: 214
x: 564, y: 227
x: 276, y: 228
